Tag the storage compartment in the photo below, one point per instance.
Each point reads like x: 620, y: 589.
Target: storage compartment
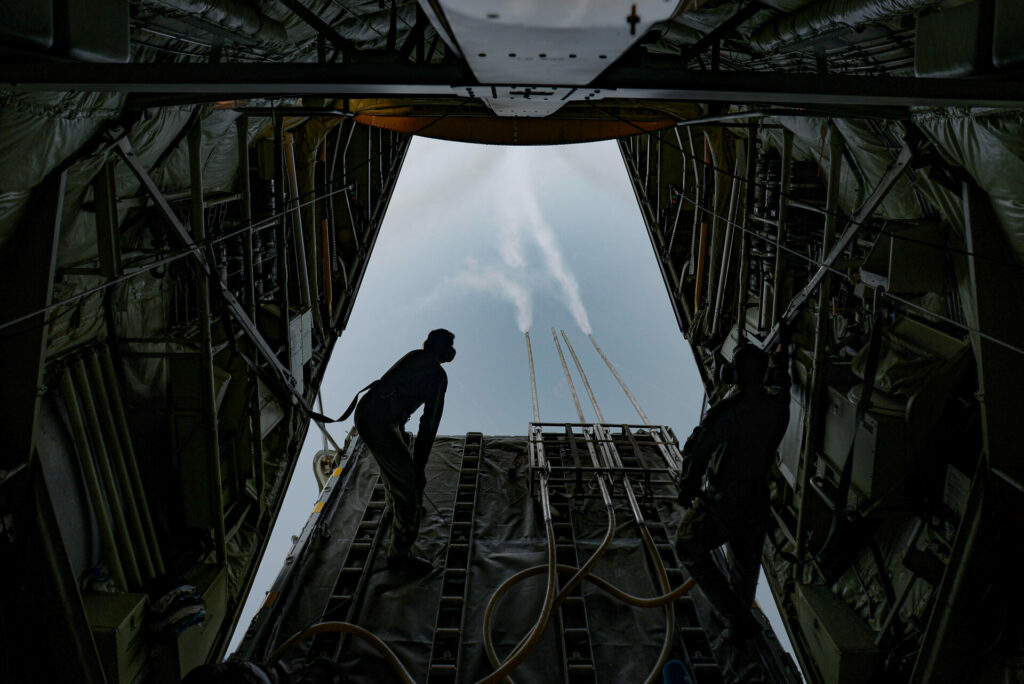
x: 1007, y: 43
x: 839, y: 642
x: 27, y: 24
x: 117, y: 622
x: 955, y: 42
x: 193, y: 646
x: 880, y: 455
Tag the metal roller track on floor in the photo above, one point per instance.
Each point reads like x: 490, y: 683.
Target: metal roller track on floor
x: 344, y: 600
x: 577, y: 645
x: 451, y: 612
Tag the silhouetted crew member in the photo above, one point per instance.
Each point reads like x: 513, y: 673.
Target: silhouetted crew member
x: 734, y: 446
x: 416, y: 380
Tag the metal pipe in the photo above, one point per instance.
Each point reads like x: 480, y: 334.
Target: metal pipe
x: 117, y: 404
x: 730, y: 234
x: 780, y: 234
x: 811, y: 427
x: 325, y: 235
x: 586, y: 383
x: 748, y: 211
x: 126, y: 549
x: 702, y: 209
x: 622, y: 383
x: 698, y: 198
x: 612, y: 457
x: 209, y: 401
x: 672, y: 464
x: 245, y: 207
x: 533, y: 379
x: 568, y: 378
x: 113, y: 442
x: 282, y: 238
x: 92, y: 482
x: 298, y: 233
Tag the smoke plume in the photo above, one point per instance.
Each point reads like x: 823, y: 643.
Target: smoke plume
x: 521, y: 212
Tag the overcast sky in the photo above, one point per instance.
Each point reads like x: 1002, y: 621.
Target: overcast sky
x: 489, y: 242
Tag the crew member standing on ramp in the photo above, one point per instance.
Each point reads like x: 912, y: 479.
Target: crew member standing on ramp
x: 734, y: 447
x: 416, y: 380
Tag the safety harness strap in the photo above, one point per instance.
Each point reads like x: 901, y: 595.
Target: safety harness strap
x: 846, y: 476
x: 321, y: 418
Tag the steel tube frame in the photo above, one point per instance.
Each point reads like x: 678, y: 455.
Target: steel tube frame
x: 29, y: 287
x: 744, y: 260
x: 811, y: 427
x: 121, y: 420
x: 282, y: 374
x: 208, y: 400
x: 780, y: 233
x: 101, y: 461
x: 92, y: 481
x: 112, y: 440
x: 860, y: 217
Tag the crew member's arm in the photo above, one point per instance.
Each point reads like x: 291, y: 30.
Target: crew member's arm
x: 433, y: 407
x: 697, y: 452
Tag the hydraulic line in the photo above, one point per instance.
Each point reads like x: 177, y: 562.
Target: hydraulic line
x: 581, y: 573
x: 345, y: 628
x: 613, y: 460
x: 526, y: 645
x: 518, y: 656
x: 602, y: 584
x: 666, y: 599
x: 674, y: 466
x: 533, y: 380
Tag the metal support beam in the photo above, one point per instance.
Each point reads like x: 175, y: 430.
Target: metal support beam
x: 281, y: 231
x: 652, y: 78
x: 108, y: 238
x: 28, y: 287
x: 812, y: 426
x: 245, y: 210
x: 860, y: 217
x: 343, y: 44
x: 748, y: 211
x: 210, y: 441
x: 723, y: 30
x: 780, y: 234
x: 282, y: 374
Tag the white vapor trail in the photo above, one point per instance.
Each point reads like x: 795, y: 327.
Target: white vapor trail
x: 495, y: 282
x: 520, y: 222
x: 520, y: 211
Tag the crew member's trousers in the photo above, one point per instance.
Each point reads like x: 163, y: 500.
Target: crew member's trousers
x: 738, y: 518
x: 387, y: 442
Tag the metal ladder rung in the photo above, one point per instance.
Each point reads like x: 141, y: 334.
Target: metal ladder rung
x: 448, y: 632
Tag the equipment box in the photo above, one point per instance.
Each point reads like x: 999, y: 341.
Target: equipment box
x: 117, y: 621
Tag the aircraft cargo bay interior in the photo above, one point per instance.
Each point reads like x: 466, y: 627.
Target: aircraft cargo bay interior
x: 805, y: 345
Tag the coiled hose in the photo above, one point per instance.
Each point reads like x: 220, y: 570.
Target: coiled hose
x: 346, y: 628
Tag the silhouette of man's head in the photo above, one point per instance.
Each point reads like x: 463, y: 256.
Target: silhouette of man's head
x: 750, y: 363
x: 441, y: 343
